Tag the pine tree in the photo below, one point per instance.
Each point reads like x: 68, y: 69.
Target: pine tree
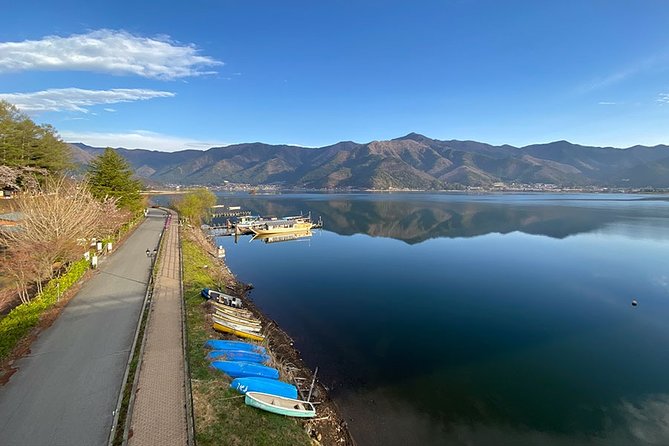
x: 24, y: 144
x: 110, y: 175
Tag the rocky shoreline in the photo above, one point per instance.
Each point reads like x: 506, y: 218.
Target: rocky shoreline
x: 329, y: 427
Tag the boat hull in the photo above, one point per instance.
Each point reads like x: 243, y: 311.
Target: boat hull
x: 223, y: 328
x: 237, y: 325
x: 224, y: 344
x: 264, y: 385
x: 237, y: 355
x: 280, y: 405
x: 241, y: 369
x: 237, y: 319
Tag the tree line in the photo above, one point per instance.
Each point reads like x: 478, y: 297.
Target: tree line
x: 59, y: 214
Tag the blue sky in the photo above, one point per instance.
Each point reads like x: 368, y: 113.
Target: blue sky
x: 169, y: 75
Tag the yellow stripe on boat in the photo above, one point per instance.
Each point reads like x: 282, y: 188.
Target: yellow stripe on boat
x: 240, y: 333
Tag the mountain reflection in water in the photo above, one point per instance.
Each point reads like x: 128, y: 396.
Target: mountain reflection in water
x: 414, y: 218
x: 476, y: 320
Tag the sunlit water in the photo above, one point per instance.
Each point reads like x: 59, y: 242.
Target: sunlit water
x: 483, y: 320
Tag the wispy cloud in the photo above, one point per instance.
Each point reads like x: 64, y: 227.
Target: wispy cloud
x: 630, y: 71
x: 139, y: 139
x: 607, y: 103
x: 107, y: 51
x: 76, y: 99
x: 663, y: 98
x: 110, y: 110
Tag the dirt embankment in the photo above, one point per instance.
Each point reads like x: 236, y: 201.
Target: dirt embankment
x: 329, y: 427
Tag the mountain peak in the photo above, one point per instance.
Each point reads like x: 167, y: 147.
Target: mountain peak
x: 414, y: 137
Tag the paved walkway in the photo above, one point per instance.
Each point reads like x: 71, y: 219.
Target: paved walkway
x: 159, y: 412
x: 65, y: 391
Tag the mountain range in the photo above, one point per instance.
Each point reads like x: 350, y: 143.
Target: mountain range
x: 413, y: 161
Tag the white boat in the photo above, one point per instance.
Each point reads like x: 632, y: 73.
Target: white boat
x: 280, y: 405
x: 237, y: 319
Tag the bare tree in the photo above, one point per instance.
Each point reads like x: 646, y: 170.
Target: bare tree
x: 57, y: 224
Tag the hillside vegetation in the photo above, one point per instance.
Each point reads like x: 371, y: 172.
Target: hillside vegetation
x: 413, y: 161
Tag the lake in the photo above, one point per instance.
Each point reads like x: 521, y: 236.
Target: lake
x: 476, y: 319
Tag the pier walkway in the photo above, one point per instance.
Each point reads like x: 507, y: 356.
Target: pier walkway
x: 159, y: 413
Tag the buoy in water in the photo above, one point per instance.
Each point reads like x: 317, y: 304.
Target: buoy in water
x: 634, y: 303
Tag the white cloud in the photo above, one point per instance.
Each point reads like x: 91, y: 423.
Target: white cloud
x: 110, y: 110
x: 76, y: 99
x: 663, y: 98
x: 107, y: 51
x: 607, y: 103
x: 138, y: 139
x: 630, y: 71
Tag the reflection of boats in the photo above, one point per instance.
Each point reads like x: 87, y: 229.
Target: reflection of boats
x: 274, y: 238
x: 280, y: 405
x: 283, y: 226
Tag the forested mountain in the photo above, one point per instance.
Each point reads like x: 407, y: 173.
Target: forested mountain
x: 413, y: 161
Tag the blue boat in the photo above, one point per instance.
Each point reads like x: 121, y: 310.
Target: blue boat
x: 237, y: 355
x: 264, y: 385
x: 220, y: 344
x: 240, y: 369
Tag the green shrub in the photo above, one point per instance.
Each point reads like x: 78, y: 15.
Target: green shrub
x: 23, y: 318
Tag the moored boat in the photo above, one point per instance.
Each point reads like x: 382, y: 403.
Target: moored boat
x: 280, y: 405
x: 283, y: 226
x: 264, y: 385
x: 237, y: 355
x: 225, y: 344
x: 240, y: 369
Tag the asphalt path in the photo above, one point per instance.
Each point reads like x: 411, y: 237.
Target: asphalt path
x: 66, y: 389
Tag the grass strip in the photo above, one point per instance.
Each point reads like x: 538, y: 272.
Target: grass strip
x: 18, y: 322
x: 221, y: 417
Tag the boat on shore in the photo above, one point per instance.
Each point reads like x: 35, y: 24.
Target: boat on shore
x: 223, y: 327
x: 232, y: 310
x: 225, y: 344
x: 237, y: 355
x: 264, y: 385
x: 280, y: 405
x: 237, y: 320
x: 237, y: 325
x: 241, y: 369
x: 222, y: 298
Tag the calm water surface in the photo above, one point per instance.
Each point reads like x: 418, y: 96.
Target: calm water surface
x: 476, y: 320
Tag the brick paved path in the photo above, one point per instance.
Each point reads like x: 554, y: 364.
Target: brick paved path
x: 159, y: 412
